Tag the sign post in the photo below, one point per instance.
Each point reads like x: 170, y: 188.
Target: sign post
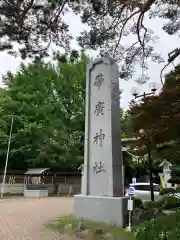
x: 130, y: 207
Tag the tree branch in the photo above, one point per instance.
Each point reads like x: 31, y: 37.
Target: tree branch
x: 27, y: 9
x: 122, y: 29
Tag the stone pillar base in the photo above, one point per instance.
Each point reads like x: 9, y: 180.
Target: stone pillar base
x: 109, y: 210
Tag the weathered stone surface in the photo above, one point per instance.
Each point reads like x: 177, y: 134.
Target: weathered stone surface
x: 85, y: 234
x: 108, y: 236
x: 55, y: 223
x: 103, y: 156
x: 102, y: 190
x: 98, y: 231
x: 68, y: 226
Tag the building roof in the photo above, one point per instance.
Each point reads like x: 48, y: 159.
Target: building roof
x: 36, y: 171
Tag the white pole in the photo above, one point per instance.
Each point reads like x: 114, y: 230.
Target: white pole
x: 129, y: 225
x: 130, y: 209
x: 7, y: 157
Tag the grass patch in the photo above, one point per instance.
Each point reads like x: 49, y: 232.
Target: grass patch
x: 89, y: 229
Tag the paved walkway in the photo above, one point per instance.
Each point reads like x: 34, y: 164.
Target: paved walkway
x: 23, y: 219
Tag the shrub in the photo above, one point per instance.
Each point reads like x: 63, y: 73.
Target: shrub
x: 167, y: 202
x: 165, y: 227
x: 137, y: 202
x: 150, y: 204
x: 170, y: 202
x: 141, y: 215
x: 167, y: 190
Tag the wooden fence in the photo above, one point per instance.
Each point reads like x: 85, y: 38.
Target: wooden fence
x: 21, y: 179
x: 68, y: 185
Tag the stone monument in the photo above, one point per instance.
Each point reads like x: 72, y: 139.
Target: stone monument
x: 81, y: 168
x: 102, y: 192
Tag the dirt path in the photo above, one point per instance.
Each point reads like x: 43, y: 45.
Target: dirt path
x: 23, y: 219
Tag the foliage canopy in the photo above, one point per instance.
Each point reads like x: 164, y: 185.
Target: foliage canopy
x: 47, y: 104
x: 159, y: 117
x: 35, y: 25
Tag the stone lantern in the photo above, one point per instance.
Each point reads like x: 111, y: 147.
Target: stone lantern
x: 166, y: 172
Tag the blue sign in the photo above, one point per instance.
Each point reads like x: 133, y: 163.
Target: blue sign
x: 131, y: 191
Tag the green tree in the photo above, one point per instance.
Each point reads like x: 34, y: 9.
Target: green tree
x: 124, y: 123
x: 47, y: 104
x: 175, y: 175
x: 159, y: 117
x: 34, y: 25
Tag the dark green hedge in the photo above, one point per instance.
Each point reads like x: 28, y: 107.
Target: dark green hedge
x: 167, y: 202
x: 165, y: 227
x: 167, y: 190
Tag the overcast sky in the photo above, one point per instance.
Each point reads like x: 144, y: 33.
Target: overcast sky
x: 164, y: 45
